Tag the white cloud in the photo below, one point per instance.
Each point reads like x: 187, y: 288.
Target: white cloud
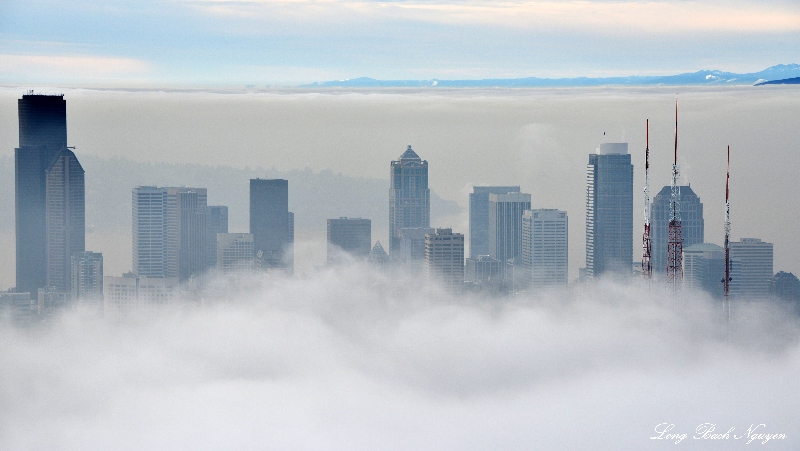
x: 65, y: 67
x: 601, y: 17
x: 348, y: 359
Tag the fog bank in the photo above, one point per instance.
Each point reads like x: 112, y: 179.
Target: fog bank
x: 349, y: 359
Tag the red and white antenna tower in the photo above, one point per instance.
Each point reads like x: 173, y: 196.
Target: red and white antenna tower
x: 726, y: 301
x: 647, y: 267
x: 675, y: 233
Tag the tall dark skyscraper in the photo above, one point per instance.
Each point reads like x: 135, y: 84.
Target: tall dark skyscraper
x: 409, y: 196
x: 479, y: 217
x: 692, y: 225
x: 49, y: 195
x: 609, y: 210
x: 271, y: 223
x: 65, y: 213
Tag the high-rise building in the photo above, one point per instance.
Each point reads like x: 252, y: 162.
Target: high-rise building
x: 609, y: 211
x: 133, y: 295
x: 545, y: 245
x: 751, y: 268
x: 378, y: 256
x: 169, y: 232
x: 49, y: 196
x: 87, y: 277
x: 692, y: 225
x: 784, y: 286
x: 505, y: 225
x: 483, y: 274
x: 444, y: 258
x: 216, y: 222
x: 349, y: 235
x: 65, y: 212
x: 409, y: 196
x: 479, y: 217
x: 235, y: 253
x: 272, y: 224
x: 410, y: 251
x: 704, y: 268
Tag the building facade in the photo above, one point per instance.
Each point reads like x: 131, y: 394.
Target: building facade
x: 216, y: 222
x: 272, y: 224
x: 692, y: 224
x: 378, y: 256
x: 138, y: 296
x: 545, y: 248
x: 505, y: 225
x: 479, y: 217
x: 65, y: 213
x: 409, y: 196
x: 169, y: 232
x: 751, y: 268
x: 609, y: 211
x: 444, y: 259
x: 410, y: 251
x: 87, y: 277
x: 704, y: 268
x: 348, y: 236
x: 235, y: 253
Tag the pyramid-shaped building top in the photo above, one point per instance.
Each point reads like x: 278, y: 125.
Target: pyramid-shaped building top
x: 409, y: 154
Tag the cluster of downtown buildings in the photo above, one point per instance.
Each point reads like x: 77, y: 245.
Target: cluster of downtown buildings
x: 179, y: 240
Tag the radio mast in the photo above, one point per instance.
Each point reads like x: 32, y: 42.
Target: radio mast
x: 726, y: 301
x: 647, y: 267
x: 675, y: 233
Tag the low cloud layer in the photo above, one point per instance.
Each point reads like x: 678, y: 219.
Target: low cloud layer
x: 352, y: 359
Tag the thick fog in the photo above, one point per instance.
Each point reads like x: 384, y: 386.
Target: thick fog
x: 538, y: 138
x: 356, y: 359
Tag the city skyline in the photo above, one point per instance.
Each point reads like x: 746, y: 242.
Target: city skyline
x: 262, y: 131
x: 575, y: 262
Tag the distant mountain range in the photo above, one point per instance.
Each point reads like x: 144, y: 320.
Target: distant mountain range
x: 703, y: 77
x: 785, y: 81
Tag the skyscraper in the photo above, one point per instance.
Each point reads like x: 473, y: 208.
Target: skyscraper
x: 704, y: 268
x: 444, y: 258
x: 545, y: 239
x: 272, y: 224
x: 235, y: 252
x: 692, y: 225
x: 87, y: 277
x: 349, y: 235
x: 217, y: 222
x: 479, y: 217
x: 65, y: 213
x: 505, y: 225
x: 49, y: 195
x: 751, y: 268
x: 410, y: 251
x: 409, y: 196
x: 609, y: 210
x: 378, y: 256
x: 169, y: 232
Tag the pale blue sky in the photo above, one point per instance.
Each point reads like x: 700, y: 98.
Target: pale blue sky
x: 219, y: 42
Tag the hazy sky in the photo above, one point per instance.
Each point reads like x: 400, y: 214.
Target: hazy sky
x: 213, y: 42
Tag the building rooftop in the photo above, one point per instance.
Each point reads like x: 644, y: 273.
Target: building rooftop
x: 409, y: 154
x: 612, y: 148
x: 703, y: 247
